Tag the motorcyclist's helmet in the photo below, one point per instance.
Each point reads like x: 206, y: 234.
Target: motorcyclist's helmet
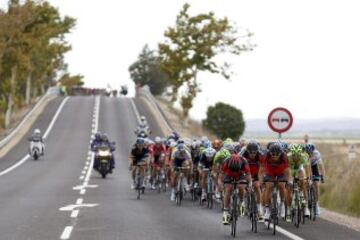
x: 37, y: 132
x: 98, y: 136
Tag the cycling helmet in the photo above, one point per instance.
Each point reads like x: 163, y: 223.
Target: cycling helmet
x: 98, y: 136
x: 206, y: 144
x: 181, y: 141
x: 230, y: 147
x: 204, y: 138
x: 217, y: 144
x: 140, y: 141
x: 158, y: 140
x: 275, y: 149
x: 195, y: 144
x: 181, y: 147
x: 284, y: 145
x: 37, y: 131
x: 142, y: 118
x: 174, y: 135
x: 209, y: 152
x: 309, y: 148
x: 242, y: 141
x: 252, y: 146
x: 296, y: 149
x: 234, y: 163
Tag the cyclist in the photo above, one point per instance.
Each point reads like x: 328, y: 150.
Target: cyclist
x: 299, y: 166
x: 254, y: 157
x: 180, y: 158
x: 138, y: 156
x: 217, y: 144
x: 195, y: 156
x: 240, y: 146
x: 158, y: 152
x: 235, y: 168
x: 317, y: 169
x: 275, y: 167
x: 219, y: 159
x: 206, y: 162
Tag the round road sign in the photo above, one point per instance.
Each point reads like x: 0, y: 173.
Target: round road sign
x: 280, y: 120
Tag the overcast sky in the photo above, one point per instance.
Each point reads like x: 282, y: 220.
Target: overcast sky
x: 306, y: 60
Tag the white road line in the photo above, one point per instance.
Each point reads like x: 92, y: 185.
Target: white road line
x: 82, y: 177
x: 55, y: 117
x: 82, y: 191
x: 26, y: 157
x: 135, y: 110
x: 74, y: 213
x: 67, y: 232
x: 86, y: 168
x: 79, y: 201
x: 83, y: 172
x: 286, y: 233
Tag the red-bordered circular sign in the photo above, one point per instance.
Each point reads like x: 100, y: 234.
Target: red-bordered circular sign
x: 280, y: 120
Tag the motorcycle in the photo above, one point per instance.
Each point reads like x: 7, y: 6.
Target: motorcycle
x: 36, y: 148
x: 103, y: 155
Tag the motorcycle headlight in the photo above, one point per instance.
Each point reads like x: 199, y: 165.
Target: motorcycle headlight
x: 104, y: 153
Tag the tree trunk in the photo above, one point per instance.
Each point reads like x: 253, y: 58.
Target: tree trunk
x: 28, y: 89
x: 9, y: 109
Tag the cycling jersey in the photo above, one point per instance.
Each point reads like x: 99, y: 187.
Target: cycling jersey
x: 221, y: 155
x: 139, y: 155
x: 205, y: 162
x: 158, y: 149
x: 275, y: 169
x: 179, y: 159
x: 253, y: 164
x: 315, y: 158
x: 244, y: 170
x: 295, y: 166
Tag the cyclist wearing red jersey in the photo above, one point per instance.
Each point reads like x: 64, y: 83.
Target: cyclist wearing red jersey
x: 158, y: 151
x: 275, y: 166
x: 235, y: 168
x: 254, y: 157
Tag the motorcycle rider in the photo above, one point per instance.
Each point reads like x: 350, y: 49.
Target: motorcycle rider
x: 143, y: 128
x: 103, y: 140
x: 36, y: 137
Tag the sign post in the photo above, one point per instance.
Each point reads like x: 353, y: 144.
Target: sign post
x: 280, y: 120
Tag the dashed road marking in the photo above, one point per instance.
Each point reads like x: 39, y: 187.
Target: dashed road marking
x: 67, y: 232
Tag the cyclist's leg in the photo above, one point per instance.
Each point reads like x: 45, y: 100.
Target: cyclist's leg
x: 228, y: 190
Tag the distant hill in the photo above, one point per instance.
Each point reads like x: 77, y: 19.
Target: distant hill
x: 341, y: 127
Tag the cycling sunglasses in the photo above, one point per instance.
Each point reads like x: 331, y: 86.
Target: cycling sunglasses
x: 253, y: 152
x: 275, y: 154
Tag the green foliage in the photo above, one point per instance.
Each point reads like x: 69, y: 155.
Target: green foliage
x: 224, y: 121
x: 71, y: 81
x: 191, y: 46
x: 146, y: 71
x: 32, y: 47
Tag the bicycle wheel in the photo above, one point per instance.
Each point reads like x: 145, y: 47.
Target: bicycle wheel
x: 253, y: 213
x: 234, y: 216
x: 297, y: 210
x: 313, y: 203
x: 274, y: 212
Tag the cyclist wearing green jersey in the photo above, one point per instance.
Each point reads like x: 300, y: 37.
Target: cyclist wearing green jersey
x: 299, y: 166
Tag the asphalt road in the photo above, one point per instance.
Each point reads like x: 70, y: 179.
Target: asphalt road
x: 34, y: 194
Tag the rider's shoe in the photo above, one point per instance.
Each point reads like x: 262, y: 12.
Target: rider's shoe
x: 226, y: 218
x: 196, y: 185
x: 153, y: 187
x: 282, y: 210
x: 132, y: 185
x: 218, y: 195
x: 187, y: 187
x: 267, y: 214
x: 203, y: 196
x: 172, y: 197
x: 317, y: 210
x: 307, y: 212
